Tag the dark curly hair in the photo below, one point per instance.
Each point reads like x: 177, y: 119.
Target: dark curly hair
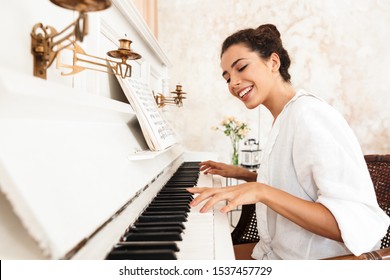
x: 264, y: 40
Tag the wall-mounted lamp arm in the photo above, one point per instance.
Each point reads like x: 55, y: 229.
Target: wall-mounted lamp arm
x: 47, y: 43
x: 81, y: 59
x: 78, y: 30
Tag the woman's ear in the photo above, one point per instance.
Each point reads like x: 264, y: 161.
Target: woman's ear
x: 274, y: 62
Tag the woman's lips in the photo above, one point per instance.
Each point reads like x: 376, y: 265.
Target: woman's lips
x: 244, y: 92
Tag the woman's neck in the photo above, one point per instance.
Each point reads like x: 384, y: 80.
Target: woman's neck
x: 279, y: 97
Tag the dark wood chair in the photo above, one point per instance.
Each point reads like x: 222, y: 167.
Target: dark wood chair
x: 246, y: 228
x: 380, y: 254
x: 379, y: 168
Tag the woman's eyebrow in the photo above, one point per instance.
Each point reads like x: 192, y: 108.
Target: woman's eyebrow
x: 231, y: 66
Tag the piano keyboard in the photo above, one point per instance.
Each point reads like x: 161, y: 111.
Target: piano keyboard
x: 169, y: 228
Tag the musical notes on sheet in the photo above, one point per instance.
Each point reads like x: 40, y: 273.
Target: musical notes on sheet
x: 157, y: 132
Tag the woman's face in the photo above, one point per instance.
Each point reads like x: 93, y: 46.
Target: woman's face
x: 249, y: 77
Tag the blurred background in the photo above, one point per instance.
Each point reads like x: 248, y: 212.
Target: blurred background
x: 338, y: 48
x: 339, y: 51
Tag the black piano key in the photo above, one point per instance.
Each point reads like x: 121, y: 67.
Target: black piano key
x: 176, y: 182
x: 142, y: 255
x: 146, y: 245
x: 173, y: 197
x: 182, y: 180
x: 176, y: 198
x: 153, y: 236
x: 180, y: 171
x: 178, y: 186
x: 169, y: 203
x: 159, y: 224
x: 185, y: 176
x: 157, y: 229
x: 175, y: 190
x: 168, y: 200
x: 162, y: 208
x: 165, y: 213
x: 162, y: 218
x: 189, y: 165
x: 185, y: 173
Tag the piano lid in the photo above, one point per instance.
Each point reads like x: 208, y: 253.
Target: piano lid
x: 64, y: 159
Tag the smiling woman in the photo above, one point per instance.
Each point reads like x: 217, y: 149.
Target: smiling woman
x: 254, y: 64
x: 313, y: 189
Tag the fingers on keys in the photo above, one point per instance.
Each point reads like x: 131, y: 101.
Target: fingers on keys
x: 214, y: 195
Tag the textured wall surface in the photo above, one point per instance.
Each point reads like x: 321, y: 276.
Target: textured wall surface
x: 339, y: 51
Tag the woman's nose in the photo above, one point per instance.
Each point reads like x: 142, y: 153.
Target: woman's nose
x: 235, y: 81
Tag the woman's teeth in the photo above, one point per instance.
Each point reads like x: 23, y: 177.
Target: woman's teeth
x: 244, y: 92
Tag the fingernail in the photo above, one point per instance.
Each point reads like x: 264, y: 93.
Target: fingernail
x: 223, y: 210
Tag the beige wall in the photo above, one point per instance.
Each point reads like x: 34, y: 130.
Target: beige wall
x: 339, y: 51
x: 148, y: 9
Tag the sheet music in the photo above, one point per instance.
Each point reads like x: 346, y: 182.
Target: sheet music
x: 157, y: 132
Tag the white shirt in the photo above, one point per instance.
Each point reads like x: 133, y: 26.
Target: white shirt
x: 313, y: 154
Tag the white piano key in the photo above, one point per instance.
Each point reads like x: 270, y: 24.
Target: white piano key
x: 205, y: 180
x: 223, y: 244
x: 207, y: 235
x: 198, y: 237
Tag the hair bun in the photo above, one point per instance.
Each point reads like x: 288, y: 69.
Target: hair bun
x: 269, y: 28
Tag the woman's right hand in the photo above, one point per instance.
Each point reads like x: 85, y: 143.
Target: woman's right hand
x: 246, y: 193
x: 227, y: 170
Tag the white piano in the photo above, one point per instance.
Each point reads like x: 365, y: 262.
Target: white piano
x: 71, y: 183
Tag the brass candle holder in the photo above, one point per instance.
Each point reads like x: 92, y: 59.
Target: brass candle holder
x: 47, y: 43
x: 119, y: 66
x: 176, y: 98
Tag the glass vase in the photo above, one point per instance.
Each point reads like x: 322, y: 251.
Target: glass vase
x: 235, y: 153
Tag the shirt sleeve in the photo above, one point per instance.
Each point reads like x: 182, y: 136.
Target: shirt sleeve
x: 326, y: 154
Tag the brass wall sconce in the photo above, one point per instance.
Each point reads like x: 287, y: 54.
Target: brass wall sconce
x: 176, y: 98
x: 47, y: 43
x: 120, y: 68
